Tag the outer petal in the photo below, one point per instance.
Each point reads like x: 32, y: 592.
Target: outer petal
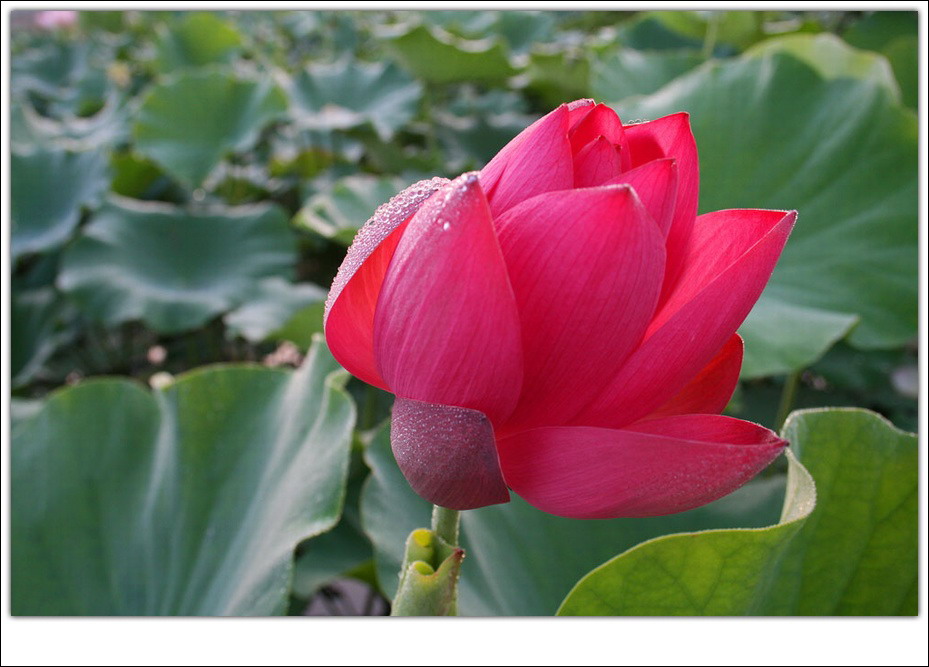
x: 447, y: 454
x: 600, y: 121
x: 656, y: 184
x: 349, y: 314
x: 671, y: 137
x: 446, y: 328
x: 711, y: 390
x: 586, y: 267
x: 727, y: 272
x: 538, y: 160
x: 661, y: 467
x: 597, y: 163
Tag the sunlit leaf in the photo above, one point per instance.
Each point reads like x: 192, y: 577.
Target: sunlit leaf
x: 832, y: 58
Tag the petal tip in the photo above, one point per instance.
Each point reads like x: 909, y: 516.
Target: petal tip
x: 579, y: 104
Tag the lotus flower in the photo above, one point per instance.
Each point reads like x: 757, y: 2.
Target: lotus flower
x: 562, y: 323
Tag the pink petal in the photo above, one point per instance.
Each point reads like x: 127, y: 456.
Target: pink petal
x: 709, y: 392
x: 446, y: 328
x: 586, y: 267
x: 538, y: 160
x: 447, y: 454
x: 656, y: 184
x: 719, y: 239
x: 671, y: 137
x: 600, y: 121
x: 349, y: 313
x: 656, y: 467
x: 716, y: 294
x: 595, y: 164
x: 578, y: 109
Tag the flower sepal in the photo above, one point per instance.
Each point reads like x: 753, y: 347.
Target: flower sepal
x: 428, y: 577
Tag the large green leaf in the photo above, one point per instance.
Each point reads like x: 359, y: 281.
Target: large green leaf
x: 343, y: 550
x: 348, y: 94
x: 189, y: 122
x: 435, y: 56
x: 628, y: 72
x: 48, y: 189
x: 199, y: 38
x: 187, y: 501
x: 521, y: 561
x: 854, y: 554
x: 772, y: 133
x: 171, y: 267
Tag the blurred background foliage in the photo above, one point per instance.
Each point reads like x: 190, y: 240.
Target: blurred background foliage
x: 185, y: 184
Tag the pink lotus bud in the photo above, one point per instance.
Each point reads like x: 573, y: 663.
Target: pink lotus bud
x: 562, y: 324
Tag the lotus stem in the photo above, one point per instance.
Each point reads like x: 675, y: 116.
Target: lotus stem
x: 445, y: 524
x: 788, y: 395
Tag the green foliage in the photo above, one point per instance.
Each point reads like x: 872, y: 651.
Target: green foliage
x: 196, y: 40
x: 35, y: 334
x: 190, y: 122
x: 346, y: 95
x: 436, y: 56
x: 781, y: 337
x: 48, y: 190
x: 832, y: 58
x: 627, y: 72
x: 269, y: 312
x: 171, y: 267
x: 185, y: 501
x: 338, y: 213
x: 893, y: 34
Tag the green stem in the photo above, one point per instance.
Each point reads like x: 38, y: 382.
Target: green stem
x: 788, y: 395
x: 445, y: 524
